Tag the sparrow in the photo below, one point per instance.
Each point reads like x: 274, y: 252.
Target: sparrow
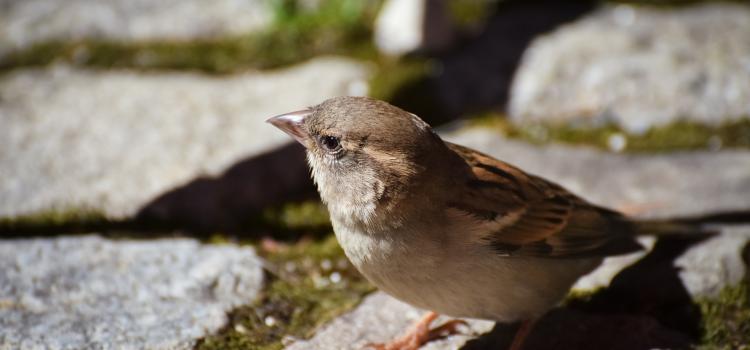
x: 447, y: 228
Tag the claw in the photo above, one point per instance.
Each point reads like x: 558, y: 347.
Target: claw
x: 420, y: 334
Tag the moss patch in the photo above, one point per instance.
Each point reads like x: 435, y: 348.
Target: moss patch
x: 298, y: 215
x: 311, y: 283
x: 55, y: 217
x: 726, y: 319
x: 289, y: 222
x: 393, y: 74
x: 677, y: 136
x: 333, y: 27
x: 57, y: 221
x: 471, y: 14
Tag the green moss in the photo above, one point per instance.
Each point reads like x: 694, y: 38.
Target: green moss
x: 333, y: 27
x: 577, y: 296
x: 311, y: 283
x: 298, y: 215
x: 726, y: 319
x: 56, y: 221
x: 471, y: 13
x: 55, y: 217
x: 677, y: 136
x: 393, y: 74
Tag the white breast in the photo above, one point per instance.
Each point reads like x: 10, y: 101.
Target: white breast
x: 459, y: 279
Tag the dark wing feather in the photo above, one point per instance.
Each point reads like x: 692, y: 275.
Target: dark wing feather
x: 539, y: 218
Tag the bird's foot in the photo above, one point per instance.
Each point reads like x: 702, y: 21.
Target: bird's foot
x: 420, y: 334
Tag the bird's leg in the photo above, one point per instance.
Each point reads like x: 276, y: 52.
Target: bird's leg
x: 420, y: 334
x: 521, y: 333
x: 446, y: 329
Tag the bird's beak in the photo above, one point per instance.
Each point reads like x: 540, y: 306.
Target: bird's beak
x: 291, y: 123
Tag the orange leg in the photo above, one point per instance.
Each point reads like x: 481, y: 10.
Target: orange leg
x: 521, y: 333
x: 420, y: 333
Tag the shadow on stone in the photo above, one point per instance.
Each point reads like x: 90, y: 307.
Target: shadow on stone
x: 233, y: 201
x: 646, y: 306
x: 476, y: 75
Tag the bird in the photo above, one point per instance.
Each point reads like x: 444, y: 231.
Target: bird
x: 447, y: 228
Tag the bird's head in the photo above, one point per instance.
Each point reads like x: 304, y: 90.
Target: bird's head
x: 365, y: 154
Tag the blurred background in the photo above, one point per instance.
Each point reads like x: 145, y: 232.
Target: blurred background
x: 130, y: 128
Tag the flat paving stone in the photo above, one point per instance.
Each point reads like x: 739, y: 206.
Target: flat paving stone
x: 87, y: 292
x: 660, y: 185
x: 110, y: 141
x: 26, y: 22
x: 638, y: 67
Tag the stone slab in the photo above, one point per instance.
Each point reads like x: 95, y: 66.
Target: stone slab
x: 111, y: 141
x: 639, y: 66
x: 26, y: 22
x: 87, y: 292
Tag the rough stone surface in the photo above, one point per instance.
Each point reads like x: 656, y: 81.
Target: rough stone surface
x: 647, y: 185
x: 405, y: 26
x: 639, y: 67
x: 25, y: 22
x: 112, y: 140
x: 705, y: 268
x: 92, y: 293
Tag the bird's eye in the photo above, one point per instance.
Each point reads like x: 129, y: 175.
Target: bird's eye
x: 330, y: 143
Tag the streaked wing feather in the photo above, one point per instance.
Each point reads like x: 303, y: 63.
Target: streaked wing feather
x: 547, y: 220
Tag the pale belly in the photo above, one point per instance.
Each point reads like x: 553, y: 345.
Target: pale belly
x: 461, y: 280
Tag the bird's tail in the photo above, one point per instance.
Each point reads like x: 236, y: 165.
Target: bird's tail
x: 688, y: 226
x: 672, y: 228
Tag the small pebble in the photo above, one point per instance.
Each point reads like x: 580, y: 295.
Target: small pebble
x: 617, y: 142
x: 335, y: 277
x: 320, y: 282
x: 290, y: 266
x: 270, y: 321
x: 326, y: 265
x: 239, y: 328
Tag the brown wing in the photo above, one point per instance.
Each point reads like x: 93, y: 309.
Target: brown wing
x: 535, y: 217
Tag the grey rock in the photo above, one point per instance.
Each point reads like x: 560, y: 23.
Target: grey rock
x: 706, y: 268
x: 113, y: 140
x: 405, y: 26
x: 25, y: 22
x: 638, y: 67
x: 92, y: 293
x: 664, y: 185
